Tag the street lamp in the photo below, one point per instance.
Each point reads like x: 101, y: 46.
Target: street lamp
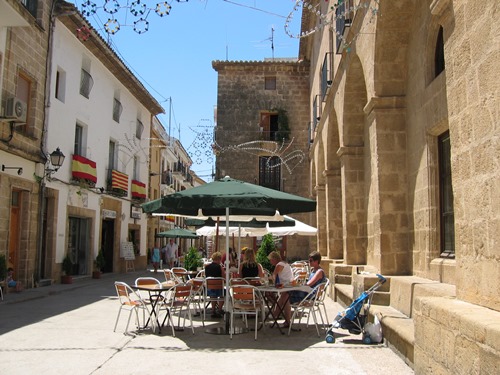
x: 56, y: 159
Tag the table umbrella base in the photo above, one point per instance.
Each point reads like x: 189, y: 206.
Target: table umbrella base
x: 225, y: 331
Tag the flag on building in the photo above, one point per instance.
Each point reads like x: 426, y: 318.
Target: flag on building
x: 84, y: 169
x: 119, y: 180
x: 138, y: 190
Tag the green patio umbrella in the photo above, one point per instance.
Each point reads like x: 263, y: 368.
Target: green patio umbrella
x: 226, y: 197
x: 241, y: 198
x: 178, y: 233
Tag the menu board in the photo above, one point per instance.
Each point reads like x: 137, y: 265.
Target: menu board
x: 127, y: 251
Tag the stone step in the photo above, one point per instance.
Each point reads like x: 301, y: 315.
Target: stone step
x: 398, y: 331
x: 343, y: 279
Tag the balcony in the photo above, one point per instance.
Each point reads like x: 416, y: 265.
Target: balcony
x: 84, y: 170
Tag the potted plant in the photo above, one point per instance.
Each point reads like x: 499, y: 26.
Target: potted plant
x: 67, y: 266
x: 266, y: 247
x: 99, y: 264
x: 193, y: 259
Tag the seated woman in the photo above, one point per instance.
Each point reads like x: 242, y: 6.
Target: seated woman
x: 284, y: 274
x: 316, y: 277
x: 215, y: 269
x: 11, y: 283
x: 250, y: 267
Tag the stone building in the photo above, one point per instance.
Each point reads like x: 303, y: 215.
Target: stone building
x: 24, y: 38
x: 260, y: 137
x: 404, y: 163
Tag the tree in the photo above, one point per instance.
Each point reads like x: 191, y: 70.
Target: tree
x: 266, y: 247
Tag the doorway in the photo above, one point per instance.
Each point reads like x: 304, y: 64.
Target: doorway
x: 78, y: 245
x: 107, y: 243
x: 14, y: 235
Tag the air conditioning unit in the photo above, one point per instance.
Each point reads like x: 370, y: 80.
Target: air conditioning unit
x: 15, y: 109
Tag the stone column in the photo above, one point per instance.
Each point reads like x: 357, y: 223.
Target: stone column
x: 387, y: 210
x: 321, y: 219
x: 333, y: 193
x: 353, y: 204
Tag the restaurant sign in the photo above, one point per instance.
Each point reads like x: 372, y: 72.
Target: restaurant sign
x: 108, y: 214
x: 135, y: 212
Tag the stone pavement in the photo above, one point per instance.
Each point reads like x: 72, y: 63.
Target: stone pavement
x: 69, y: 328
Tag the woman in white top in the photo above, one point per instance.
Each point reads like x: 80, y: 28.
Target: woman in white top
x: 283, y: 271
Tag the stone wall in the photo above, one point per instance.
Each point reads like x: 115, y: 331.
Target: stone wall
x: 241, y: 99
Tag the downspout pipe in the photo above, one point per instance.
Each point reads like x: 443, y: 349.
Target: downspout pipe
x: 41, y: 204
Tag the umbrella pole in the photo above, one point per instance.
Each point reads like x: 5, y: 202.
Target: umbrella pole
x: 226, y: 303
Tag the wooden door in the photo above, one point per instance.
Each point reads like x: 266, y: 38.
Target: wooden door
x: 14, y: 231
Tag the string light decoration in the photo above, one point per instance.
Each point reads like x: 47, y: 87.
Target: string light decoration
x: 201, y: 145
x: 139, y: 10
x: 83, y: 33
x: 281, y: 150
x: 331, y: 16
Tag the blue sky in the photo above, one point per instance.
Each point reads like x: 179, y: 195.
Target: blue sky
x: 173, y: 58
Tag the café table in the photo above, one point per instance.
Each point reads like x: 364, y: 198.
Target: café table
x: 155, y: 291
x: 271, y: 294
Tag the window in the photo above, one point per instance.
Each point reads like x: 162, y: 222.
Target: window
x: 78, y: 148
x: 270, y: 83
x: 23, y: 92
x: 86, y: 83
x: 31, y: 5
x: 344, y: 19
x: 117, y: 110
x: 326, y: 74
x: 60, y: 85
x: 139, y: 128
x: 270, y: 172
x: 447, y: 217
x: 268, y: 126
x: 136, y: 168
x: 316, y: 111
x: 111, y: 157
x: 439, y: 53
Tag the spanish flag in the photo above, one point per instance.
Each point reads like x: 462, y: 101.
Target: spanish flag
x: 119, y: 180
x: 138, y: 189
x: 84, y: 169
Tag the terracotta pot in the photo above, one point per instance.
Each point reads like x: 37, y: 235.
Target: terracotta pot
x: 66, y: 279
x: 96, y: 274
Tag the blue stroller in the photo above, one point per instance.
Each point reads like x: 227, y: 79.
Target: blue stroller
x: 354, y: 318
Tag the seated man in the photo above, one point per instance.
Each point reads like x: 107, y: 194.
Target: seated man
x: 215, y: 269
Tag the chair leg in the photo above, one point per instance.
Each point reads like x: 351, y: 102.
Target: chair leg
x: 231, y: 326
x: 256, y: 321
x: 117, y: 318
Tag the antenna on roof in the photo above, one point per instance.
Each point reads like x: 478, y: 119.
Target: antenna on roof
x: 272, y: 40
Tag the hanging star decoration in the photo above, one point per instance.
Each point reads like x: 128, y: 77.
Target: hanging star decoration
x: 282, y: 152
x: 200, y: 147
x: 137, y: 10
x: 341, y: 10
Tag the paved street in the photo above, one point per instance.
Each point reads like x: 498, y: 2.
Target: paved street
x: 69, y: 329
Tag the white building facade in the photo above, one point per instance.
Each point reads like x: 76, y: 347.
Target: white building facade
x: 100, y: 117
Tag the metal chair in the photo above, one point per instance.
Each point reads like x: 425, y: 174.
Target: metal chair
x: 245, y: 301
x: 197, y: 294
x: 178, y: 300
x: 217, y: 285
x: 308, y: 304
x: 129, y: 300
